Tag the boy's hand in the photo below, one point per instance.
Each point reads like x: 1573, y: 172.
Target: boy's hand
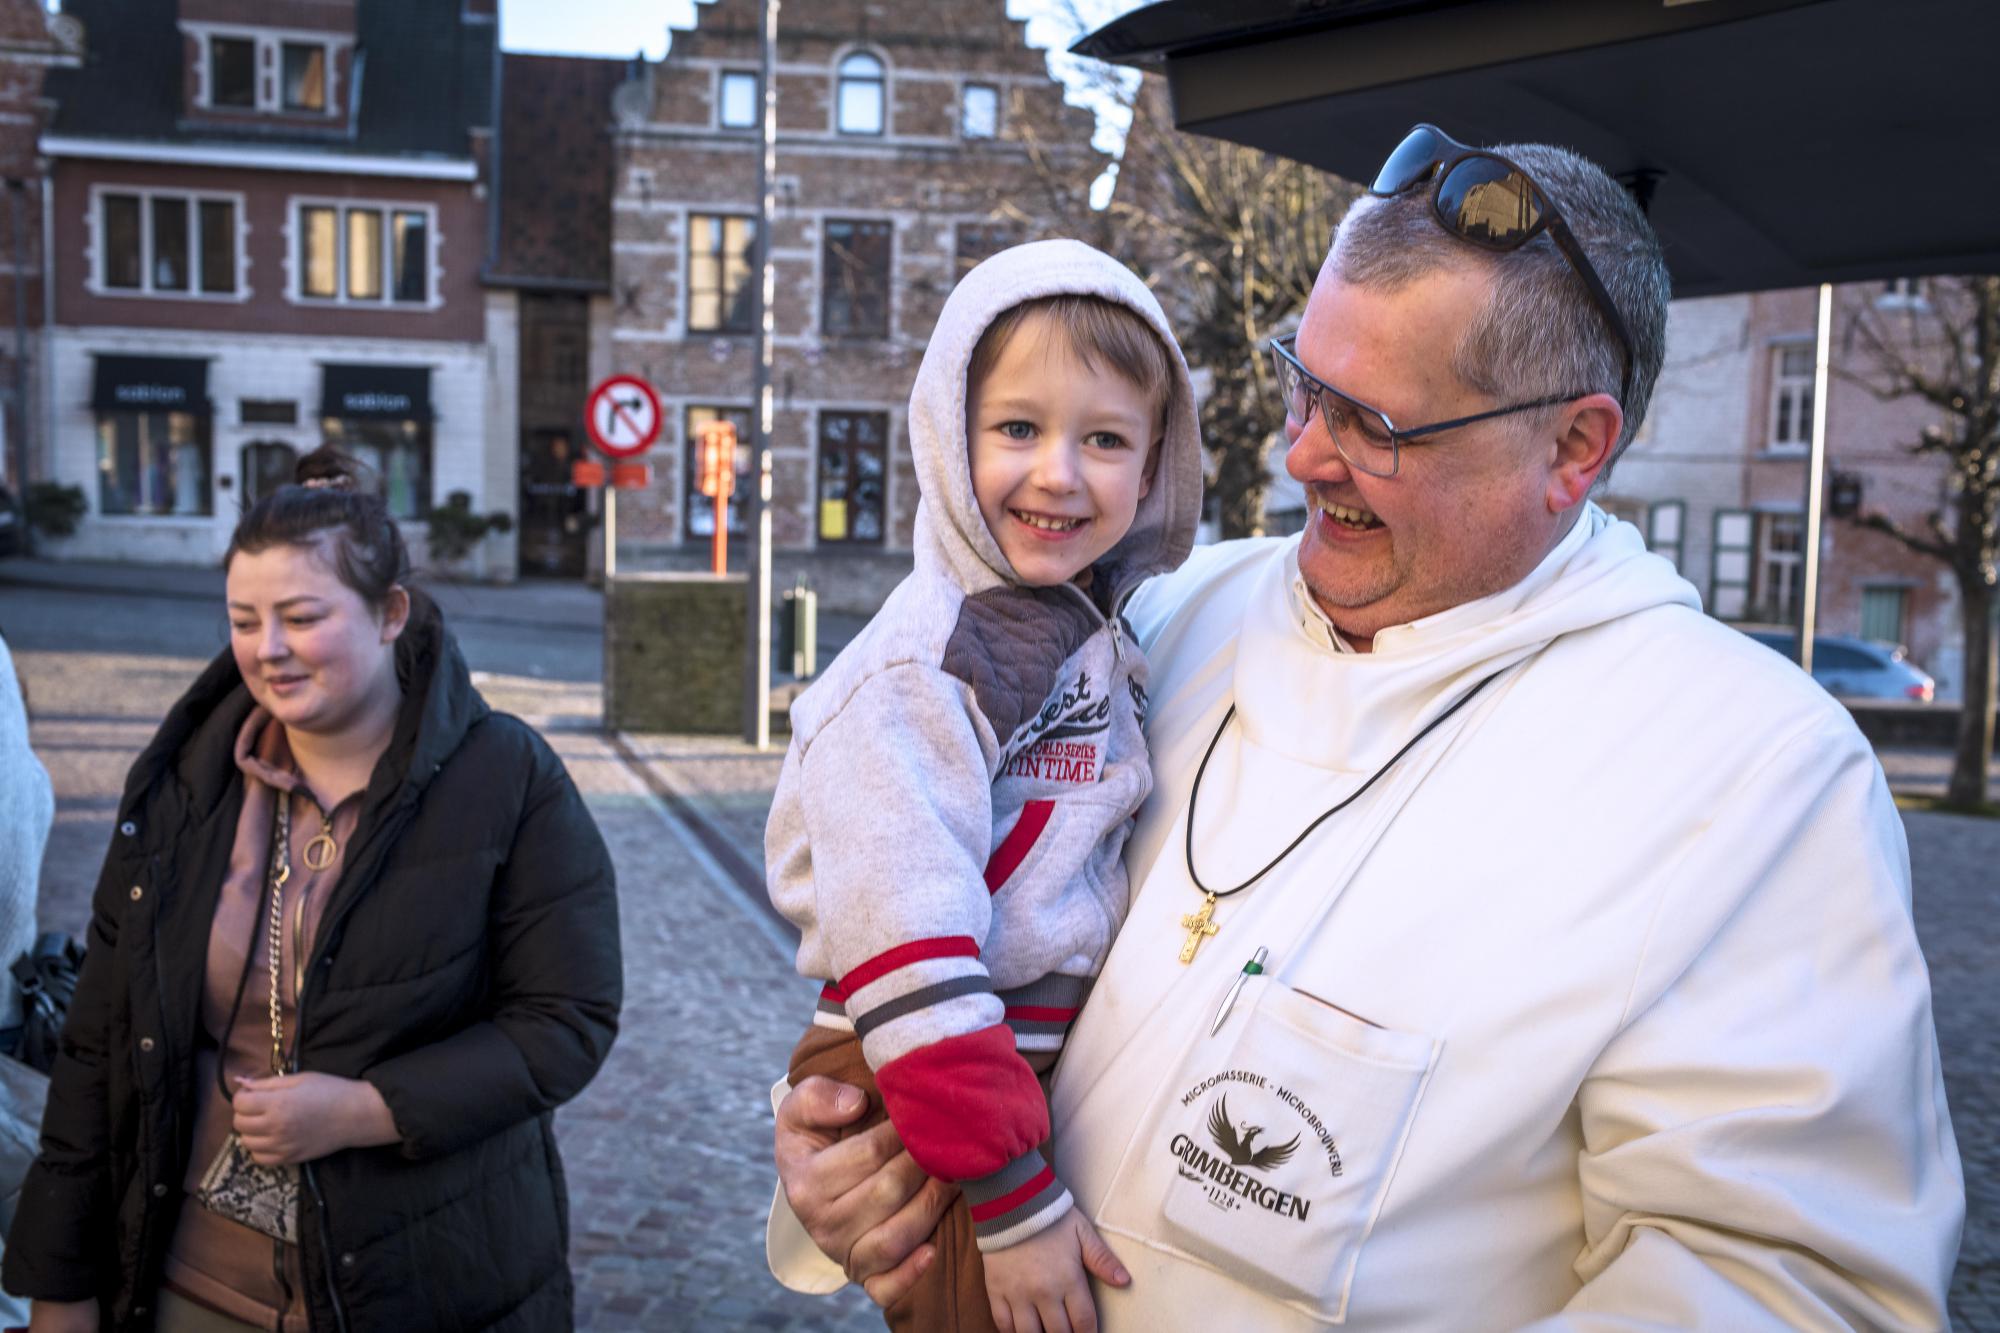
x: 1042, y: 1285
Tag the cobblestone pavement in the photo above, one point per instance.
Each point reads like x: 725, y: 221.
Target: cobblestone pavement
x: 1955, y: 865
x: 668, y: 1151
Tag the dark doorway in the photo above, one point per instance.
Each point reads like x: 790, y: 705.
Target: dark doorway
x: 555, y: 362
x: 555, y: 517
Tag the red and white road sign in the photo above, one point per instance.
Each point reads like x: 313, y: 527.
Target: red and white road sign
x: 623, y: 416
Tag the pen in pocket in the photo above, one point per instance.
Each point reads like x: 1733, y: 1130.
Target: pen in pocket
x: 1250, y: 969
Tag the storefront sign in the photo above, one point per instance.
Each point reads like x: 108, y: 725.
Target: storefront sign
x: 395, y: 393
x: 151, y: 384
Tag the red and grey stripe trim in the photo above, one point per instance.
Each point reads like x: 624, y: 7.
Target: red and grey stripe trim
x: 1020, y: 840
x: 1047, y: 1007
x: 921, y: 998
x: 903, y: 955
x: 1040, y: 1013
x: 1005, y: 1203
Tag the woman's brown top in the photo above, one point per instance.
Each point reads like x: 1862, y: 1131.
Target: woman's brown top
x: 213, y: 1260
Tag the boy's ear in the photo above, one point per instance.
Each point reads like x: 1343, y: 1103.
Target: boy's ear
x: 1152, y: 468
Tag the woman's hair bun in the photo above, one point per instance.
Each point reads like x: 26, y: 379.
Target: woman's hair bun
x: 332, y: 493
x: 327, y: 467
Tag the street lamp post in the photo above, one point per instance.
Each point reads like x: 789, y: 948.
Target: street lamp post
x: 18, y: 422
x: 757, y: 672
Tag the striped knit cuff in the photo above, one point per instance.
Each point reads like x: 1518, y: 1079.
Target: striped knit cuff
x: 1015, y: 1202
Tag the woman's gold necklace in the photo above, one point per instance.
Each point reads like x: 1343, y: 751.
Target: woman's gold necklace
x: 319, y: 853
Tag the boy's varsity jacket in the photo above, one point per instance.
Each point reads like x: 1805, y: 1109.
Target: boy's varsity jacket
x: 948, y: 824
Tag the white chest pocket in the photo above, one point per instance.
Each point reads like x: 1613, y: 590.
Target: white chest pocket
x: 1271, y: 1150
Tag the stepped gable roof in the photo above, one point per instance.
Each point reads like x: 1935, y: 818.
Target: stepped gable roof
x: 24, y: 27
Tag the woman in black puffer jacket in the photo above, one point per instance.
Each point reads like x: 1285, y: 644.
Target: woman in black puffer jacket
x: 448, y: 974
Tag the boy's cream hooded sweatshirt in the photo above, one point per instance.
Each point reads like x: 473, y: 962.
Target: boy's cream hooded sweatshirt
x: 948, y: 823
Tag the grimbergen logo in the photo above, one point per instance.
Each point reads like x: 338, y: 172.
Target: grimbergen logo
x: 1233, y: 1166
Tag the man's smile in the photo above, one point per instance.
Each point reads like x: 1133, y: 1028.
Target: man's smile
x: 1351, y: 517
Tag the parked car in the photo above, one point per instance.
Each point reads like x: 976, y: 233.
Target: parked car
x: 1851, y: 668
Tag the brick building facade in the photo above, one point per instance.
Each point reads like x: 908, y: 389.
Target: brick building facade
x: 548, y: 305
x: 915, y: 137
x: 1716, y: 476
x: 33, y: 43
x: 258, y: 247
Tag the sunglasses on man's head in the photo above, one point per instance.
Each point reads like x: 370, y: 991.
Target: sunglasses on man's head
x: 1487, y: 201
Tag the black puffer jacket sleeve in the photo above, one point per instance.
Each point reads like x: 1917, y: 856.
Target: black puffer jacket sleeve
x: 556, y: 985
x: 62, y: 1246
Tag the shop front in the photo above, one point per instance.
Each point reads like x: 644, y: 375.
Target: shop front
x: 154, y: 424
x: 382, y: 416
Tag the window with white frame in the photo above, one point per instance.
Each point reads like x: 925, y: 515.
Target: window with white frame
x: 303, y: 65
x: 1663, y: 529
x: 1729, y: 564
x: 739, y: 102
x: 1791, y: 396
x: 1885, y: 612
x: 861, y: 97
x: 363, y: 254
x: 1780, y: 562
x: 722, y: 257
x: 232, y: 72
x: 251, y: 70
x: 167, y: 243
x: 979, y: 111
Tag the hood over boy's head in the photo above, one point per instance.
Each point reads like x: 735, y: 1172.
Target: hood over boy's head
x: 1042, y: 315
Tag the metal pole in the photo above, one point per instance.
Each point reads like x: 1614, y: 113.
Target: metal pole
x: 18, y: 422
x: 757, y: 675
x: 718, y: 553
x: 610, y: 535
x: 1815, y: 483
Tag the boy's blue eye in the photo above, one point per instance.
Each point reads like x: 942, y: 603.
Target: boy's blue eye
x: 1105, y: 439
x: 1016, y: 430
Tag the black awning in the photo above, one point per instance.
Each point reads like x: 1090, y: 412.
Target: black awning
x: 397, y: 393
x: 151, y: 384
x: 1883, y: 109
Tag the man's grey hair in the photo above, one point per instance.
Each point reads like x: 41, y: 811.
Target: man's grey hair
x: 1541, y: 333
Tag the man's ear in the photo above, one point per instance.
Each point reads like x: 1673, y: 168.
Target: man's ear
x: 1586, y: 433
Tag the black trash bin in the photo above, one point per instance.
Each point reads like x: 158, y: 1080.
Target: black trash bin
x: 798, y: 632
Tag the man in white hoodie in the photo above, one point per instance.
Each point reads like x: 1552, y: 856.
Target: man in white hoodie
x: 1552, y: 961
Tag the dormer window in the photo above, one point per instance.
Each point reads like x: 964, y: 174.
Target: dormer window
x: 861, y: 95
x: 232, y: 72
x: 305, y: 76
x: 288, y: 72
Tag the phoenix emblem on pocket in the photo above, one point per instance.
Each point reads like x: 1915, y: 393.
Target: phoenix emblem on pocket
x: 1241, y: 1147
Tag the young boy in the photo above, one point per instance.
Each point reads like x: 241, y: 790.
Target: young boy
x: 949, y: 821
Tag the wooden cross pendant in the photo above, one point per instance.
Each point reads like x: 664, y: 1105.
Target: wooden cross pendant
x: 1199, y: 927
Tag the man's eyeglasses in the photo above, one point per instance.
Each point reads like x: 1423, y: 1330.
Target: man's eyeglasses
x: 1487, y: 201
x: 1364, y: 435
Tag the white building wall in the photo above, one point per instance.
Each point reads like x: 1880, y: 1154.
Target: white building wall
x: 498, y: 557
x: 1690, y: 447
x: 264, y: 366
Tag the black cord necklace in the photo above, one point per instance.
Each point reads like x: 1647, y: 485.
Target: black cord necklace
x: 1200, y: 924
